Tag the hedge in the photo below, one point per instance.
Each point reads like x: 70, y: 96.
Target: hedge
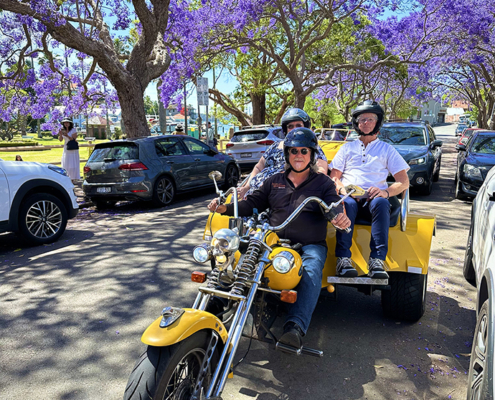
x: 19, y: 144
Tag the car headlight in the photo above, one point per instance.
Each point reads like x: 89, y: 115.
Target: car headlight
x: 472, y: 172
x: 417, y: 161
x: 225, y: 240
x: 202, y: 253
x: 283, y: 262
x: 58, y: 170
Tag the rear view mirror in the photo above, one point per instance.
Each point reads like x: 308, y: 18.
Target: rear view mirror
x: 460, y: 147
x: 215, y: 175
x: 436, y: 143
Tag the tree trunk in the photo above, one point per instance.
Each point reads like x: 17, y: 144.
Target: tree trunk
x: 259, y: 108
x: 299, y: 99
x: 131, y: 99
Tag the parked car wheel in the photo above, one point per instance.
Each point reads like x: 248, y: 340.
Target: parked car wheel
x: 231, y: 176
x: 164, y: 191
x: 427, y: 188
x: 479, y: 374
x: 406, y: 298
x: 468, y: 269
x: 436, y: 175
x: 42, y: 219
x: 459, y: 194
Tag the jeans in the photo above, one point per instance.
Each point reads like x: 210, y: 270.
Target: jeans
x: 308, y: 290
x: 378, y: 211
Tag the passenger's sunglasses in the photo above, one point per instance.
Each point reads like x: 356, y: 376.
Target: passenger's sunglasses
x: 296, y: 152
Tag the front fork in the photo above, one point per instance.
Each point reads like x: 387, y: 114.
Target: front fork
x: 239, y: 321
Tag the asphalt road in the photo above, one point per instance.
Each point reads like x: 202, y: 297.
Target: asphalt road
x: 72, y: 313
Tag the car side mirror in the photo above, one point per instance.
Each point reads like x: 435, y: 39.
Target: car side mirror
x: 492, y: 197
x: 460, y: 147
x: 437, y: 143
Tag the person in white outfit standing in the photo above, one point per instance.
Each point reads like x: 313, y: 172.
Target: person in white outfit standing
x: 70, y: 158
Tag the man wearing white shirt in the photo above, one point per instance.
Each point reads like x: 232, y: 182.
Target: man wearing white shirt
x: 366, y: 162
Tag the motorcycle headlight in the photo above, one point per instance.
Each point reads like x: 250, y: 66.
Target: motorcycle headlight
x: 202, y: 253
x: 283, y: 262
x: 417, y: 161
x: 225, y: 240
x: 472, y: 172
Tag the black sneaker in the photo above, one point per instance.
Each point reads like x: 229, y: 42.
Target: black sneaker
x: 292, y: 335
x: 345, y: 268
x: 376, y: 270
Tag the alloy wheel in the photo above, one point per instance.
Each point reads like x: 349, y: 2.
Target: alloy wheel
x: 44, y: 219
x: 165, y: 191
x: 479, y: 369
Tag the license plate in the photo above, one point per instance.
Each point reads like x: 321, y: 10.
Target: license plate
x: 246, y: 155
x: 103, y: 190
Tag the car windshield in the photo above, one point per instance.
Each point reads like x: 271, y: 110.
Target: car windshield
x: 121, y: 151
x: 248, y: 136
x: 484, y: 145
x: 403, y: 135
x: 461, y: 126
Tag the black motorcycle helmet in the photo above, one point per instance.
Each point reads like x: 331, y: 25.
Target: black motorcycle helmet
x: 301, y: 137
x: 295, y: 114
x: 368, y: 106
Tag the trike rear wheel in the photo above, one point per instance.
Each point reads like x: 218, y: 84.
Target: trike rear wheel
x: 406, y: 299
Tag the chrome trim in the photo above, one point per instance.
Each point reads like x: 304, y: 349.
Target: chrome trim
x: 404, y: 209
x: 170, y: 315
x: 288, y: 256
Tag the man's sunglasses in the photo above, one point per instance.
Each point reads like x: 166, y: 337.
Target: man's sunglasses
x: 296, y: 152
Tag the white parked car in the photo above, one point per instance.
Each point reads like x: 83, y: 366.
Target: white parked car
x: 36, y: 200
x: 479, y: 269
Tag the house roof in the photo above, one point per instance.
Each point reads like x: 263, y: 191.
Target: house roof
x: 97, y: 120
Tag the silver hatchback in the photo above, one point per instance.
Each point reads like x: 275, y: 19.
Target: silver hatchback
x: 248, y: 145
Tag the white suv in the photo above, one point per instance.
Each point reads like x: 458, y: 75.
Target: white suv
x: 36, y: 200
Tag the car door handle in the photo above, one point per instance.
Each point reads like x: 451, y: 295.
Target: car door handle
x: 170, y: 162
x: 197, y: 159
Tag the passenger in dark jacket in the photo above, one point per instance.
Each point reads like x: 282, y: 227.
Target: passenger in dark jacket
x: 283, y: 193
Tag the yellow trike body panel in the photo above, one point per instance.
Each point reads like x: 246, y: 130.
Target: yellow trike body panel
x: 189, y: 323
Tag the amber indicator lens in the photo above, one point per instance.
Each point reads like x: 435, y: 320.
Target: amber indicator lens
x: 288, y: 296
x: 198, y: 277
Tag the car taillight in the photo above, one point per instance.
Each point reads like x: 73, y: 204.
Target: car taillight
x: 229, y: 145
x: 136, y: 166
x: 86, y: 170
x: 265, y: 142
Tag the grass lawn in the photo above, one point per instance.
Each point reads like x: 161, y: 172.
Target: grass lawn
x: 49, y: 156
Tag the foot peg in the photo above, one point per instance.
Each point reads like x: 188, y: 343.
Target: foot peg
x: 294, y: 350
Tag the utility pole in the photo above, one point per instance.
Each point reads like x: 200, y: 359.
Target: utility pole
x: 215, y: 106
x: 185, y: 109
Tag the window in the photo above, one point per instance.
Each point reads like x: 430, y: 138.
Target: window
x: 484, y: 145
x: 127, y: 151
x: 431, y: 133
x: 248, y: 136
x: 169, y: 147
x: 401, y: 135
x: 196, y: 147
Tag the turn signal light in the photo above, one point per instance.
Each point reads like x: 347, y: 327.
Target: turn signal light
x: 136, y: 166
x: 198, y: 277
x: 265, y: 142
x: 86, y: 170
x: 288, y: 296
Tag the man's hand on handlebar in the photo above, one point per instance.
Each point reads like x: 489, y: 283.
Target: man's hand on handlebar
x: 214, y: 207
x: 241, y: 192
x: 341, y: 221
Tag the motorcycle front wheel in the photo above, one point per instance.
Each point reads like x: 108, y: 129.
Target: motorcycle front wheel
x: 166, y: 373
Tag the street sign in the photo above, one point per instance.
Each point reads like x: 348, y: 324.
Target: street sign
x: 202, y: 90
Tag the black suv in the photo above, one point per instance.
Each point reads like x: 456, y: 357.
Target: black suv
x: 417, y: 144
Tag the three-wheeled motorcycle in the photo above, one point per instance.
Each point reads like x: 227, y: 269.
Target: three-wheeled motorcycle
x: 254, y: 273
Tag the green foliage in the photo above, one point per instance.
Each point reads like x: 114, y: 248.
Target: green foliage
x: 118, y: 133
x: 18, y: 144
x: 323, y: 113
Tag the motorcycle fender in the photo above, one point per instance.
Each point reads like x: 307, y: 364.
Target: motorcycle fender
x: 189, y: 323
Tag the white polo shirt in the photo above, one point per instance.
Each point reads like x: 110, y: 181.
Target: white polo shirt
x: 368, y: 166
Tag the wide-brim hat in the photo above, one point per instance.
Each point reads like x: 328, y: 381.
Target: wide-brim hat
x: 66, y: 120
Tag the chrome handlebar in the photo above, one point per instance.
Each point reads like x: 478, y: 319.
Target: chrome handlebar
x: 298, y: 210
